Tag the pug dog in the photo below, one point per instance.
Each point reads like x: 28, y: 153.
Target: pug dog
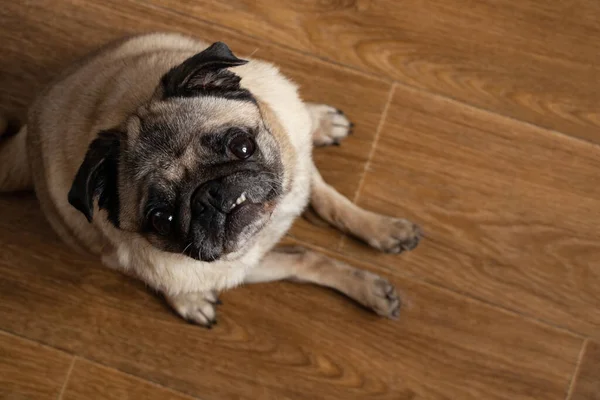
x: 182, y: 165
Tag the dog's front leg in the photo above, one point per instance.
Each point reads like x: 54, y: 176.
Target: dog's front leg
x: 392, y: 235
x: 195, y: 307
x: 302, y: 265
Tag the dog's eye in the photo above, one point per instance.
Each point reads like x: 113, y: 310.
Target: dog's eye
x: 161, y: 222
x: 242, y: 147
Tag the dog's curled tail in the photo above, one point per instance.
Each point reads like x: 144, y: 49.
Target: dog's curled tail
x: 14, y: 167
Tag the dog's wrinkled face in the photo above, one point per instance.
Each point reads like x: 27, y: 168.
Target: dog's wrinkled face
x: 207, y: 174
x: 197, y: 171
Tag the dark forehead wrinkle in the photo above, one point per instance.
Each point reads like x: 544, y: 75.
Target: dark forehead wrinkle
x: 162, y: 137
x: 158, y: 194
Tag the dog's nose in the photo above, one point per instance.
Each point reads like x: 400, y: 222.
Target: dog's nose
x: 213, y: 195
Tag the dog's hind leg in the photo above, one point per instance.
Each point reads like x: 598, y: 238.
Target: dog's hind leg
x: 301, y: 265
x: 14, y: 167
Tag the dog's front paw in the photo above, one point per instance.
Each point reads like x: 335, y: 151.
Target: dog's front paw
x: 395, y: 235
x: 330, y: 125
x: 380, y: 296
x: 196, y: 307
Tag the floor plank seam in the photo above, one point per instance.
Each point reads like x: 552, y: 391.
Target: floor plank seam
x: 76, y: 357
x: 573, y: 381
x: 66, y: 382
x: 375, y: 141
x: 490, y: 112
x: 371, y: 154
x: 29, y: 340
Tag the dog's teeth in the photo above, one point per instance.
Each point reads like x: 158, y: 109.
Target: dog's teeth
x: 239, y: 201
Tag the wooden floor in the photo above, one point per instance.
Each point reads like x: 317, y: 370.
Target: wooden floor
x: 480, y: 120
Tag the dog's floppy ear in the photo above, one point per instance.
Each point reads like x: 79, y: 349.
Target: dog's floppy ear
x: 205, y: 73
x: 97, y: 177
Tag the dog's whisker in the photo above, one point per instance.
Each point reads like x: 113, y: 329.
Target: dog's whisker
x: 187, y: 247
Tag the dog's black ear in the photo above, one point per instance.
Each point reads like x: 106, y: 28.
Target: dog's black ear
x: 205, y: 73
x: 97, y: 177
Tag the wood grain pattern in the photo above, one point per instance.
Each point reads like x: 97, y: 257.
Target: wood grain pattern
x: 533, y: 60
x: 510, y: 211
x: 92, y: 381
x: 587, y: 381
x: 275, y: 341
x: 29, y: 370
x: 34, y: 51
